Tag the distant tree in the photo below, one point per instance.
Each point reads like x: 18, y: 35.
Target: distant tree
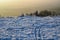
x: 36, y: 13
x: 31, y: 14
x: 53, y: 13
x: 22, y: 15
x: 42, y: 13
x: 45, y: 13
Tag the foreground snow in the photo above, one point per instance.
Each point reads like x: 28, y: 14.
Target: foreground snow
x: 30, y: 28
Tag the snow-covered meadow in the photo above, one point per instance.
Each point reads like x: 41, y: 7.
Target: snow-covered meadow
x: 30, y: 28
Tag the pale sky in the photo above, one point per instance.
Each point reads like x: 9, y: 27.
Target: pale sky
x: 16, y: 7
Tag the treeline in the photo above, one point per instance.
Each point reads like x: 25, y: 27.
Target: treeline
x: 42, y: 13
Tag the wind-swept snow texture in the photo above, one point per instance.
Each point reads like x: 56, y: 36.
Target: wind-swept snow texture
x: 30, y: 28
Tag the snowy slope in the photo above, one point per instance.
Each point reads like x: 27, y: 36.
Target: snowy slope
x: 30, y: 28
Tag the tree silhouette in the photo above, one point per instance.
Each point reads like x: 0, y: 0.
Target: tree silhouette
x: 45, y: 13
x: 42, y: 13
x: 36, y: 13
x: 22, y: 15
x: 31, y: 14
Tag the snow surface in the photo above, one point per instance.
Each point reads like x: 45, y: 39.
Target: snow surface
x: 30, y: 28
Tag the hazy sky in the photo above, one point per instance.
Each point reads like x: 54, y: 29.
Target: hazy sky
x: 16, y: 7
